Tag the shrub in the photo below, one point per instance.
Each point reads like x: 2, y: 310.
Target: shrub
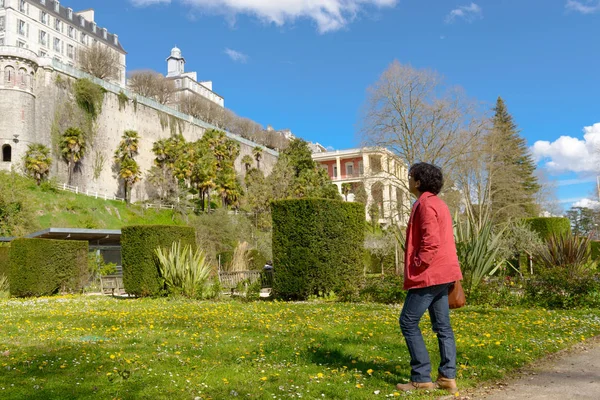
x: 557, y: 288
x: 385, y: 289
x: 595, y: 249
x: 497, y: 292
x: 41, y: 267
x: 256, y: 260
x: 89, y: 96
x: 546, y: 226
x: 317, y: 247
x: 4, y: 260
x: 141, y: 275
x: 184, y: 270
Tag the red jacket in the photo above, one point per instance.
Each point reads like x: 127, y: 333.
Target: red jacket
x: 430, y: 255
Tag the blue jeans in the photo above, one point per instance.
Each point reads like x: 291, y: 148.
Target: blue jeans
x: 434, y: 299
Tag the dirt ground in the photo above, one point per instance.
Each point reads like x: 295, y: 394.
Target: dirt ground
x: 573, y: 373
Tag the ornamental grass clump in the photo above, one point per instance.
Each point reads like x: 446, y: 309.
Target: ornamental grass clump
x: 184, y: 270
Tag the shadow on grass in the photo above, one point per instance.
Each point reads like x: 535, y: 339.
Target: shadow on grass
x: 338, y: 359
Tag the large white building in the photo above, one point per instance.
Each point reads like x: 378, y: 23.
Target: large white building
x: 186, y: 83
x: 51, y: 30
x: 383, y: 176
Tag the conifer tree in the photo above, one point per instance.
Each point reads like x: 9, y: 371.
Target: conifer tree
x: 511, y: 169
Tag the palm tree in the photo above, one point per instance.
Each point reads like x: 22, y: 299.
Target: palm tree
x: 129, y: 172
x: 72, y: 147
x: 128, y: 169
x: 346, y: 189
x: 247, y: 161
x: 257, y: 151
x: 37, y: 162
x: 129, y: 145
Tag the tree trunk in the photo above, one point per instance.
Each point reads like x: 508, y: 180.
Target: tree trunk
x: 70, y: 172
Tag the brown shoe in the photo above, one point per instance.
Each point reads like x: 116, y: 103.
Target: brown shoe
x: 410, y: 386
x: 446, y: 384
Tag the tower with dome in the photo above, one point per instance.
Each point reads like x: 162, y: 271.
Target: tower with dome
x: 186, y: 83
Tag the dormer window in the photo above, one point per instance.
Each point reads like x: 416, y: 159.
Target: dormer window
x: 43, y: 2
x: 82, y: 21
x: 56, y: 6
x: 70, y: 13
x: 104, y: 33
x: 94, y: 27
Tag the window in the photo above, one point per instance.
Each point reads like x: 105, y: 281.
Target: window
x: 83, y: 38
x: 335, y: 171
x: 1, y: 41
x: 70, y: 51
x: 43, y: 2
x: 94, y: 27
x: 2, y: 23
x: 21, y: 28
x: 57, y: 24
x: 71, y: 32
x: 6, y: 153
x: 23, y: 6
x: 104, y: 33
x: 1, y: 3
x: 361, y: 168
x: 21, y: 44
x: 82, y: 21
x: 9, y: 76
x: 57, y: 44
x: 56, y: 6
x: 22, y: 77
x: 70, y: 13
x: 43, y: 53
x: 349, y: 169
x: 43, y: 38
x: 44, y: 17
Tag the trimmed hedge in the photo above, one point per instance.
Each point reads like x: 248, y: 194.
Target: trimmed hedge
x: 595, y: 249
x: 546, y: 226
x: 41, y: 267
x: 317, y: 247
x: 141, y: 275
x: 4, y: 260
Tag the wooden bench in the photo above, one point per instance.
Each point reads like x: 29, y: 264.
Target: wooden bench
x: 112, y: 284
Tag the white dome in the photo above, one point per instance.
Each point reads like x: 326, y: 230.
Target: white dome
x: 175, y: 52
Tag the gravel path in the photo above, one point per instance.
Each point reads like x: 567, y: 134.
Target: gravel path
x: 569, y: 374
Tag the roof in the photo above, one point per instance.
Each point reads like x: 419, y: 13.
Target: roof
x: 96, y: 237
x: 63, y: 14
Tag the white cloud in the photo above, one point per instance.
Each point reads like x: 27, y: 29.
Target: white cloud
x: 329, y: 15
x: 469, y: 13
x: 144, y: 3
x: 570, y: 154
x: 236, y: 55
x: 586, y: 203
x: 584, y: 7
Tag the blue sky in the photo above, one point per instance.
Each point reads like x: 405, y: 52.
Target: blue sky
x: 305, y: 64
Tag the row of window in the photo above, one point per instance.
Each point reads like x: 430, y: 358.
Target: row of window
x: 18, y: 78
x: 58, y: 24
x: 23, y: 30
x: 349, y: 169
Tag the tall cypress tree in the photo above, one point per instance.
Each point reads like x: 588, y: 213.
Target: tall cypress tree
x: 511, y: 169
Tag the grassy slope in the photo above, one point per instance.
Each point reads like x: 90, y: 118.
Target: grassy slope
x: 59, y: 209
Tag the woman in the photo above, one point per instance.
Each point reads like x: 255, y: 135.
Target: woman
x: 430, y: 268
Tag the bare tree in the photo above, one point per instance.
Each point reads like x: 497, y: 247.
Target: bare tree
x: 152, y: 84
x: 100, y: 61
x: 413, y: 114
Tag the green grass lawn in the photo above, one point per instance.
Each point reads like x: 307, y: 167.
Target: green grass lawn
x: 69, y: 210
x: 105, y: 348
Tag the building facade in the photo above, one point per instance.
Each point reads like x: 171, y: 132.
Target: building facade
x: 53, y: 31
x: 186, y: 83
x: 382, y: 175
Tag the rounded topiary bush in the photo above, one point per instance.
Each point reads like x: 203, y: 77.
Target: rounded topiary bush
x: 41, y: 267
x: 317, y: 247
x: 548, y: 226
x: 4, y: 260
x: 141, y: 275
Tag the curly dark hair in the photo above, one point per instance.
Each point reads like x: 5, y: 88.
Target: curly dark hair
x: 429, y: 175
